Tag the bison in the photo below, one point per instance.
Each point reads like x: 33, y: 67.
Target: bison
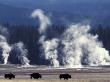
x: 35, y: 75
x: 65, y: 76
x: 9, y: 76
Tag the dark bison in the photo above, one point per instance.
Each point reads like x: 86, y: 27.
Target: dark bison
x: 35, y: 75
x: 65, y: 76
x: 9, y: 76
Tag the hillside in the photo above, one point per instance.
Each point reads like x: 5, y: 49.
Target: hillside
x: 67, y: 13
x: 14, y: 15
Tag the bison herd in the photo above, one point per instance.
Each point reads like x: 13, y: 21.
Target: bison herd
x: 37, y: 76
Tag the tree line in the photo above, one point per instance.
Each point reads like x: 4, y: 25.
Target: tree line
x: 29, y: 35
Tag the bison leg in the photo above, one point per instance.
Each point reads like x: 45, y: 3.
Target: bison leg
x: 35, y: 77
x: 10, y: 78
x: 40, y: 77
x: 31, y: 77
x: 66, y: 78
x: 60, y: 78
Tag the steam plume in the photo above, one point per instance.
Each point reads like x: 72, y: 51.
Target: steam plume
x: 21, y: 53
x: 48, y: 46
x: 4, y: 44
x: 51, y: 53
x: 44, y: 20
x: 81, y: 47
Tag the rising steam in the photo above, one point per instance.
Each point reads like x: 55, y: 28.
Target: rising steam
x: 44, y: 20
x: 75, y: 47
x: 6, y: 48
x: 22, y: 53
x: 82, y: 48
x: 4, y: 45
x: 49, y: 47
x: 79, y: 46
x: 51, y: 53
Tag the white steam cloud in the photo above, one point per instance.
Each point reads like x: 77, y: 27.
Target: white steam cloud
x: 22, y: 53
x: 51, y: 53
x: 49, y: 47
x: 44, y: 20
x: 6, y: 48
x: 79, y: 46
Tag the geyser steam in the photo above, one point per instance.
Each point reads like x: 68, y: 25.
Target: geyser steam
x: 44, y: 20
x: 51, y: 53
x: 4, y: 45
x: 79, y: 46
x: 48, y: 46
x: 6, y: 48
x: 22, y: 53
